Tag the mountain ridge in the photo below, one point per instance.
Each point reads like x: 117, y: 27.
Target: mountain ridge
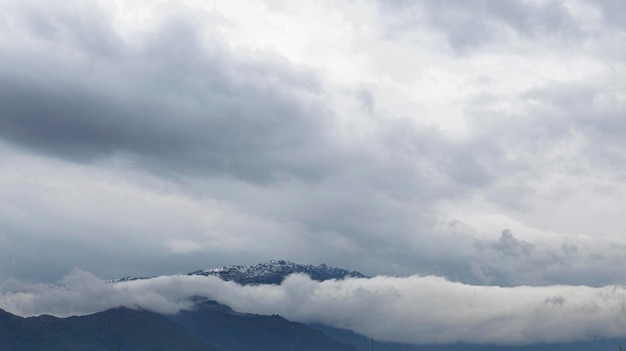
x: 231, y: 330
x: 275, y: 271
x: 270, y: 272
x: 209, y: 326
x: 119, y: 328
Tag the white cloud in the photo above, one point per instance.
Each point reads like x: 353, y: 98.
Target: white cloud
x: 415, y: 309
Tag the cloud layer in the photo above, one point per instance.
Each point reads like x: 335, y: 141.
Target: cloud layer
x: 415, y: 309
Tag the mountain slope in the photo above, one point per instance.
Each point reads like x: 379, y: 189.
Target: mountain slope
x: 208, y: 327
x: 115, y: 329
x: 219, y: 325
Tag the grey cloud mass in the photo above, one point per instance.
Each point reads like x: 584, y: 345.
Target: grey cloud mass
x: 469, y: 26
x: 170, y: 101
x: 411, y: 309
x: 480, y: 143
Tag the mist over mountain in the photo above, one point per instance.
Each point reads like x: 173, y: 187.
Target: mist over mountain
x: 211, y: 326
x: 413, y: 310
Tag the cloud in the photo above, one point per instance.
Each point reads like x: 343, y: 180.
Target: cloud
x: 609, y: 10
x: 415, y: 309
x: 468, y: 27
x: 143, y: 139
x: 168, y: 101
x: 80, y: 293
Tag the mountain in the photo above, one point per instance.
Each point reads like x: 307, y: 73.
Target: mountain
x: 214, y: 327
x: 274, y: 272
x: 270, y: 272
x: 218, y: 325
x: 115, y: 329
x: 208, y: 327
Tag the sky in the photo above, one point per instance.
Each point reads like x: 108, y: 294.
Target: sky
x: 474, y: 145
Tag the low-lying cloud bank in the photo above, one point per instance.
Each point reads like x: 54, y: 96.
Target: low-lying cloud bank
x: 415, y: 309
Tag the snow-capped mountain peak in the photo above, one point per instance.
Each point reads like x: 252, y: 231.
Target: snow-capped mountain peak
x: 275, y: 271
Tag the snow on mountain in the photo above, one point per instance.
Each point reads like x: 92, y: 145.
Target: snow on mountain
x: 270, y: 272
x: 275, y: 271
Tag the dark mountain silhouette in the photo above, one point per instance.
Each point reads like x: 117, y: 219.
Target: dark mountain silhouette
x: 208, y: 327
x: 115, y: 329
x: 219, y: 325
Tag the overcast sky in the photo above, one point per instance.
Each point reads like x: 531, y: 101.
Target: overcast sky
x: 474, y: 150
x: 479, y: 141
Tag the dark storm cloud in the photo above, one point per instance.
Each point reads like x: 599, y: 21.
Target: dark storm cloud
x: 168, y: 101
